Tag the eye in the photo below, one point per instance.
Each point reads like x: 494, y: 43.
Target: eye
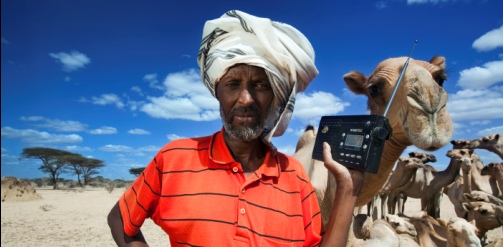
x: 263, y: 85
x: 374, y: 90
x: 440, y: 78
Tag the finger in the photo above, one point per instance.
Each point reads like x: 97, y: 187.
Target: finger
x: 330, y: 163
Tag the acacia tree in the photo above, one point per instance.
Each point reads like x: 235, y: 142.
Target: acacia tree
x: 136, y: 171
x: 53, y: 160
x: 89, y: 168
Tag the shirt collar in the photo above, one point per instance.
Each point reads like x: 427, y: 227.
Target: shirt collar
x: 220, y: 154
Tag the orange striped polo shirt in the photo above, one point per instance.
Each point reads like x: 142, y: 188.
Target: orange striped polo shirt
x: 195, y: 191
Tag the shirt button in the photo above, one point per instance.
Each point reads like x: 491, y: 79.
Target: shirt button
x: 243, y: 191
x: 235, y: 169
x: 243, y: 211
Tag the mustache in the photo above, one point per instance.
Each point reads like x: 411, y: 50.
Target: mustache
x: 251, y: 110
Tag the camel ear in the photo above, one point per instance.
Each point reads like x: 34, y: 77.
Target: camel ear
x: 470, y: 151
x: 453, y: 142
x: 467, y: 206
x: 355, y: 80
x: 467, y: 196
x: 442, y: 222
x: 439, y: 61
x: 497, y: 136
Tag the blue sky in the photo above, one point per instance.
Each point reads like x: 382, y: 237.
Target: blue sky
x: 117, y: 80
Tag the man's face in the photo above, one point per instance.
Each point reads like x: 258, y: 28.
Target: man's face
x: 245, y: 96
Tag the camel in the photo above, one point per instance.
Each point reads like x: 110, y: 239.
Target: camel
x: 428, y: 183
x: 486, y: 183
x: 481, y: 196
x: 487, y: 216
x: 461, y: 233
x: 374, y: 233
x: 407, y: 233
x: 462, y: 185
x: 405, y: 169
x: 395, y: 194
x: 425, y: 157
x: 495, y: 171
x: 430, y: 231
x: 418, y: 116
x: 492, y: 143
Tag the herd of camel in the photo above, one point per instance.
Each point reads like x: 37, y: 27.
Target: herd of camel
x: 419, y: 117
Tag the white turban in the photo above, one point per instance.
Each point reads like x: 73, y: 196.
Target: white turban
x: 281, y: 50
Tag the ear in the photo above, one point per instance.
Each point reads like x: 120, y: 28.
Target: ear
x: 442, y: 222
x: 467, y: 196
x: 497, y: 136
x: 439, y: 61
x: 355, y: 80
x: 453, y: 142
x: 467, y: 206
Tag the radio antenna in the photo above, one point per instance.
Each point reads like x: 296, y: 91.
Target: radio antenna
x: 399, y: 79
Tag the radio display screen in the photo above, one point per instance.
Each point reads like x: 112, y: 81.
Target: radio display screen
x: 354, y: 141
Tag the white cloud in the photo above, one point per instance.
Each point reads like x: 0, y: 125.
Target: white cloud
x: 287, y: 150
x: 490, y: 40
x: 409, y: 2
x: 185, y: 98
x: 138, y: 132
x: 116, y: 148
x: 312, y: 106
x: 381, y: 5
x: 481, y: 77
x: 150, y: 148
x: 172, y: 137
x: 153, y: 82
x: 107, y: 99
x: 35, y: 137
x: 75, y: 148
x: 476, y: 104
x: 137, y: 90
x: 56, y: 124
x: 105, y: 130
x: 71, y: 61
x: 493, y: 130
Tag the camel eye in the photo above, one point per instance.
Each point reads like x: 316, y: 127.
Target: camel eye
x: 440, y: 78
x: 374, y: 90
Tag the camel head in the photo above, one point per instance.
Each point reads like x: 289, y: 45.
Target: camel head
x: 410, y: 163
x: 476, y: 196
x: 487, y: 216
x: 493, y: 169
x: 308, y: 137
x: 462, y: 233
x: 418, y: 114
x: 423, y: 156
x: 461, y: 143
x: 489, y: 142
x: 400, y: 225
x: 462, y: 156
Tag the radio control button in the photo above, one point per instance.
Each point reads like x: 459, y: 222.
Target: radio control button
x: 342, y: 154
x: 352, y: 156
x: 359, y: 157
x: 347, y: 155
x: 341, y: 144
x: 343, y: 134
x: 365, y: 146
x: 367, y: 136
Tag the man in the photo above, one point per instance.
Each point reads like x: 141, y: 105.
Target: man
x: 233, y: 188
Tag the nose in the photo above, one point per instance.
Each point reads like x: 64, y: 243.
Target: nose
x: 245, y: 97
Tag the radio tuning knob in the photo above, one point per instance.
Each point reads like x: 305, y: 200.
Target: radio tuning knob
x: 380, y: 133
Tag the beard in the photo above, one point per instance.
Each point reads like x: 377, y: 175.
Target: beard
x: 246, y: 132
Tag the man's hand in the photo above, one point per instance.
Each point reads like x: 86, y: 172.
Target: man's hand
x: 349, y: 178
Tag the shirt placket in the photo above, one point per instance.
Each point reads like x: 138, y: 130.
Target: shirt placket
x: 243, y: 223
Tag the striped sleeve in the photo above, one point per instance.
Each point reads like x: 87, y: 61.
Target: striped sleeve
x: 141, y: 198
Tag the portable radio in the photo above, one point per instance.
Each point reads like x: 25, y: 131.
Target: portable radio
x: 357, y: 141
